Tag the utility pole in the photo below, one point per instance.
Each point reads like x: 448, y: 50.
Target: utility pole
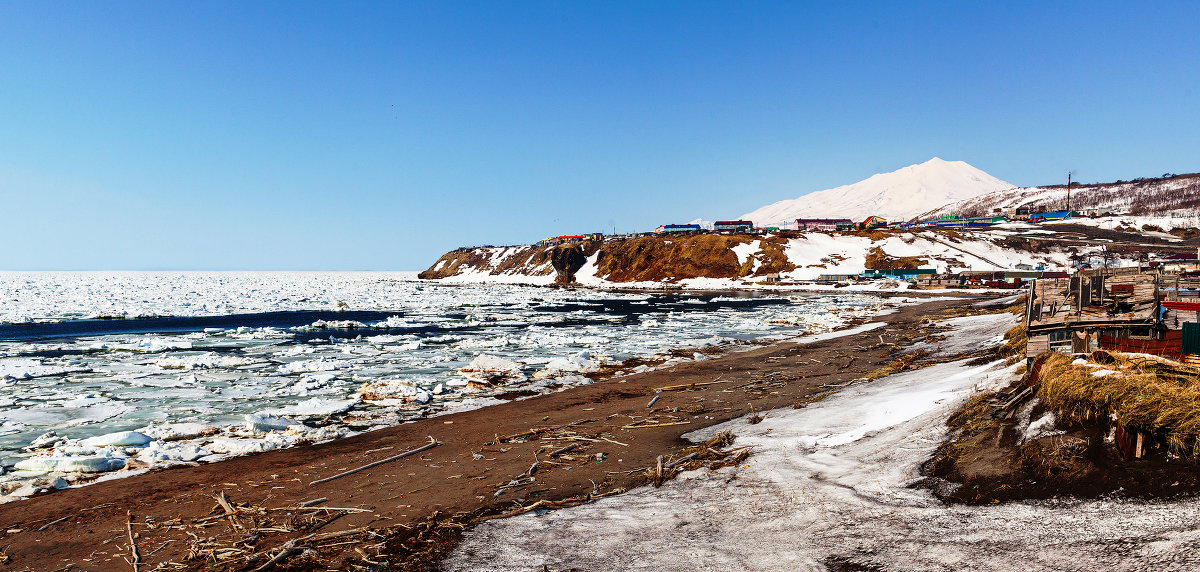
x: 1068, y: 192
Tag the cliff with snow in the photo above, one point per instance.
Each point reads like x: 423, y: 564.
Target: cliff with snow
x: 723, y: 261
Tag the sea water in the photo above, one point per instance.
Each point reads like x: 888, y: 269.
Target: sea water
x: 87, y: 354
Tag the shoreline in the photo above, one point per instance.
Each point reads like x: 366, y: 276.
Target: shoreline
x: 370, y: 414
x: 461, y: 475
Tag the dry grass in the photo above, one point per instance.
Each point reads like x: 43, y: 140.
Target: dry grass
x: 1154, y: 396
x: 973, y: 417
x: 970, y: 421
x: 877, y: 259
x: 902, y: 363
x: 1059, y: 456
x: 714, y: 453
x: 1015, y: 341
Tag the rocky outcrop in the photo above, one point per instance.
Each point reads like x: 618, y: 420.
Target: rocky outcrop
x: 568, y: 259
x: 524, y: 260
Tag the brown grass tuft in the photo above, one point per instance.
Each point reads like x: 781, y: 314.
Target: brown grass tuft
x: 1155, y: 396
x: 877, y: 259
x: 1015, y: 340
x: 969, y: 422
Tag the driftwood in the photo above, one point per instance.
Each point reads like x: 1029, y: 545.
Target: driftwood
x: 549, y: 504
x: 690, y: 385
x: 293, y: 546
x: 290, y: 547
x: 653, y: 401
x: 325, y: 522
x: 314, y: 501
x: 137, y: 558
x: 537, y: 430
x: 324, y: 508
x: 655, y: 425
x: 570, y: 447
x: 53, y: 522
x: 755, y: 417
x: 681, y: 460
x: 432, y: 443
x: 229, y: 511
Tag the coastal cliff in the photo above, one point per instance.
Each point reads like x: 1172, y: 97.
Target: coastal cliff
x: 719, y: 260
x: 639, y: 259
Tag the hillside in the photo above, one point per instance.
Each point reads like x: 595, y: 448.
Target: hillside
x: 898, y: 195
x: 1176, y: 195
x: 731, y: 261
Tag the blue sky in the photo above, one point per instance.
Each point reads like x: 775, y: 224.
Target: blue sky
x: 335, y: 135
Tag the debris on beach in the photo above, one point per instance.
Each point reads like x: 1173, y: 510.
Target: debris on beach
x: 579, y: 363
x: 486, y: 371
x: 397, y: 390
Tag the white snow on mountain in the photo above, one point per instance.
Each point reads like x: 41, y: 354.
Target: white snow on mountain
x: 1170, y: 197
x: 899, y: 195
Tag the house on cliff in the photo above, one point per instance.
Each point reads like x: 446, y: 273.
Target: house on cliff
x: 825, y: 224
x: 733, y: 226
x: 677, y: 228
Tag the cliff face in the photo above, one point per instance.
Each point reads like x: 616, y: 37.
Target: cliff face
x: 655, y: 259
x: 641, y: 259
x: 560, y: 262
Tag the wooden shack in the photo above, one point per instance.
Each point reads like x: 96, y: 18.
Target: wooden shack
x: 1124, y: 309
x: 1071, y: 315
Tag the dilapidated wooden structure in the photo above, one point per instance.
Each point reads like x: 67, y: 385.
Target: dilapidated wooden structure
x: 1125, y: 309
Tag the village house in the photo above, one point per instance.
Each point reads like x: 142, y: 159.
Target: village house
x: 677, y: 228
x: 898, y: 273
x: 733, y: 226
x: 824, y: 224
x: 872, y: 222
x: 1126, y: 309
x: 560, y: 240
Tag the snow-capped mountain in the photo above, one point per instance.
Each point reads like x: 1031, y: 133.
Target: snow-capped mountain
x: 899, y: 195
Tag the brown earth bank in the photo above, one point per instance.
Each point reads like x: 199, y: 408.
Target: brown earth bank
x: 263, y: 511
x: 986, y: 461
x: 644, y: 258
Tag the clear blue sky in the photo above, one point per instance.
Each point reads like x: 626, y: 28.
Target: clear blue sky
x: 357, y: 135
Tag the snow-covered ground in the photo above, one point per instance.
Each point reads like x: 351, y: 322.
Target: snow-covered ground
x: 830, y: 485
x: 237, y: 390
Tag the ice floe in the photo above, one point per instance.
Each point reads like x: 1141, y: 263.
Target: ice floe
x: 118, y: 439
x: 487, y: 370
x: 258, y: 384
x: 315, y: 407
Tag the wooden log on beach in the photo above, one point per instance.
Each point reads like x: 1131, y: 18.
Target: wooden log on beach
x: 432, y: 443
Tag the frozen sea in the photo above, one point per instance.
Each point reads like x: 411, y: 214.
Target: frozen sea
x: 91, y: 353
